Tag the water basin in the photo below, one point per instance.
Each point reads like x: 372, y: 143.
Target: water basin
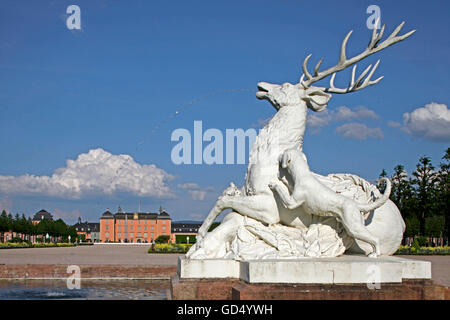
x: 108, y: 289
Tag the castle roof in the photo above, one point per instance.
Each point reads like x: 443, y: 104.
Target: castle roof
x: 43, y: 214
x: 107, y: 215
x: 136, y: 215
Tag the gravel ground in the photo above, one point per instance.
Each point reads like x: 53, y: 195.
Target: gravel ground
x: 440, y: 267
x: 137, y: 255
x: 86, y: 255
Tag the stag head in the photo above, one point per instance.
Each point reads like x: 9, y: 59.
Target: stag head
x: 289, y: 94
x: 316, y: 98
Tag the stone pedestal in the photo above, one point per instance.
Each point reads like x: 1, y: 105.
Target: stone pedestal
x: 346, y: 277
x: 407, y: 290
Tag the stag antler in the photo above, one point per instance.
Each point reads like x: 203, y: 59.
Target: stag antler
x: 360, y: 83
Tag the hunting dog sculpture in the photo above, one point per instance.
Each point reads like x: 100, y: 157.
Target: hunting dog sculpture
x: 317, y: 199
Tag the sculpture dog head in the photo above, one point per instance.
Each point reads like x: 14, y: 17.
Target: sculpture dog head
x: 291, y: 156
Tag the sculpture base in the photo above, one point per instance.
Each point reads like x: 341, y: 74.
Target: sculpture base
x: 343, y: 269
x: 346, y: 277
x: 233, y: 289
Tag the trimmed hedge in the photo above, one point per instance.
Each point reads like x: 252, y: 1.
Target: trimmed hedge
x: 169, y: 248
x: 182, y: 238
x: 428, y: 251
x: 15, y: 245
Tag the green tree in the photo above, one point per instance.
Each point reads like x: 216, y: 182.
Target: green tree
x: 81, y: 237
x: 60, y: 229
x: 412, y: 226
x: 45, y: 227
x: 31, y: 228
x: 10, y: 222
x: 425, y: 181
x: 22, y: 226
x: 16, y: 224
x: 72, y: 232
x: 443, y: 192
x: 434, y: 226
x: 4, y: 227
x: 401, y: 193
x: 383, y: 174
x: 162, y: 239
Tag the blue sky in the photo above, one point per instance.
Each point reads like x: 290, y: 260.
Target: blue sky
x: 117, y: 84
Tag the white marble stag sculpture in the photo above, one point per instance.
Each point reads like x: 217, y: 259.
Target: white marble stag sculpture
x: 259, y: 225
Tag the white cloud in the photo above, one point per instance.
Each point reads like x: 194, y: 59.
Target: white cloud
x: 6, y: 203
x: 194, y: 190
x: 317, y: 120
x: 197, y: 194
x: 95, y: 172
x: 359, y: 131
x: 431, y: 122
x: 394, y: 124
x: 344, y: 113
x: 67, y: 216
x: 188, y: 186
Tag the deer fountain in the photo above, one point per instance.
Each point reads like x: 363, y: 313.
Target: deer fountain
x: 256, y: 202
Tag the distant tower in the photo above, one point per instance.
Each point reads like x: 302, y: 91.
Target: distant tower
x: 119, y: 209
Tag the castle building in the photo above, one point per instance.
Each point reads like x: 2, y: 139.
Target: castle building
x: 137, y: 227
x: 41, y: 215
x: 184, y: 232
x: 91, y: 230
